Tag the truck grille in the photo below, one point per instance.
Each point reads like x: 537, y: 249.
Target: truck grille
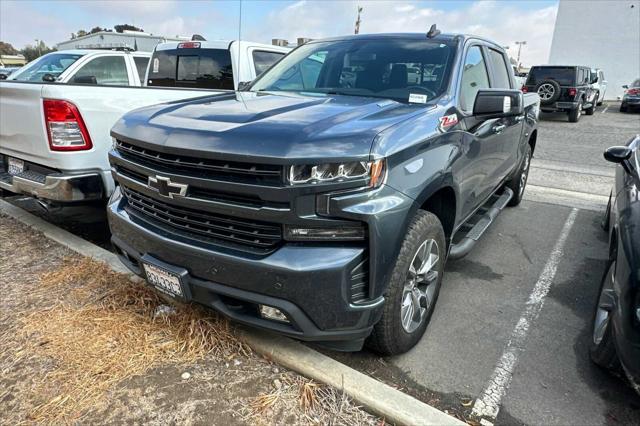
x: 200, y: 226
x: 258, y: 174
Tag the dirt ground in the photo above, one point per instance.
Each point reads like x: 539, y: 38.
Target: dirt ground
x: 81, y: 344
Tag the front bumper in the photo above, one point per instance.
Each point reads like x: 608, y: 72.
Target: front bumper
x: 309, y: 282
x: 52, y: 185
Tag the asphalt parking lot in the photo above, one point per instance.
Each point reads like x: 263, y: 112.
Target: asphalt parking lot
x: 477, y: 325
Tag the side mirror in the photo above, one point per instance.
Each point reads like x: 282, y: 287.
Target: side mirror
x: 626, y: 86
x: 3, y: 76
x: 495, y: 103
x: 243, y: 86
x: 618, y: 154
x: 85, y: 79
x: 48, y: 78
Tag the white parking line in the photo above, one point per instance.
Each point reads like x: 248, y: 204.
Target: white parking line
x: 488, y: 404
x: 605, y: 109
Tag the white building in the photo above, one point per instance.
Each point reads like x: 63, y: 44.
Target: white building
x: 601, y: 34
x: 143, y: 42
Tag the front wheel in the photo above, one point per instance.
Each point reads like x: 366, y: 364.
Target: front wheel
x: 574, y: 114
x: 413, y: 287
x: 519, y: 182
x: 592, y: 109
x: 602, y: 348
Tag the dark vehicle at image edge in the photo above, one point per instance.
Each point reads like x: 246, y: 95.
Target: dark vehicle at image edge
x: 323, y: 202
x: 631, y: 97
x: 563, y: 89
x: 616, y: 320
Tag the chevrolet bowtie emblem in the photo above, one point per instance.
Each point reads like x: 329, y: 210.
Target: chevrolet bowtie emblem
x: 166, y: 188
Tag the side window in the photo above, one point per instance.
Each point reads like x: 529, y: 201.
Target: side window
x: 601, y: 78
x: 262, y: 60
x: 141, y: 66
x: 500, y: 69
x: 474, y: 77
x: 106, y: 70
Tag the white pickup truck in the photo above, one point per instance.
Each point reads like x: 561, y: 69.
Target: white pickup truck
x: 54, y: 136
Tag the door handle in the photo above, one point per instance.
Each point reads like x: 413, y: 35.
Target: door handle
x: 519, y: 118
x: 499, y: 129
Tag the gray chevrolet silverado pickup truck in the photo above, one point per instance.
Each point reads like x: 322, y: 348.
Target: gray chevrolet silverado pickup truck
x: 323, y: 201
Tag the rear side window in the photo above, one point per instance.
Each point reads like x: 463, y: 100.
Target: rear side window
x: 262, y: 60
x: 474, y: 77
x: 500, y: 70
x: 141, y: 66
x: 196, y: 68
x: 565, y: 76
x: 105, y: 70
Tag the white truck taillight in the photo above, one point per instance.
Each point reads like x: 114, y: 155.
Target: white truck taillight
x: 65, y: 128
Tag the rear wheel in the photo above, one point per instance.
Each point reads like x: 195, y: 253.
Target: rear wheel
x: 413, y: 287
x: 602, y: 349
x: 574, y: 114
x: 519, y: 182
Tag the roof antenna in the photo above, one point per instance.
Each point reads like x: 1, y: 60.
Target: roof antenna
x: 433, y: 31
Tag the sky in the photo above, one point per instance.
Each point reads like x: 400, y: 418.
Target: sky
x: 23, y: 21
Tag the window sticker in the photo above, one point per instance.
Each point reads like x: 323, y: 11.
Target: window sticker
x: 416, y: 98
x: 156, y: 65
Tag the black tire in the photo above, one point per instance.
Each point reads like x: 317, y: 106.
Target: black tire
x: 547, y: 96
x: 606, y: 218
x: 592, y: 108
x: 517, y: 184
x: 389, y: 336
x: 574, y: 114
x: 623, y: 108
x: 602, y: 350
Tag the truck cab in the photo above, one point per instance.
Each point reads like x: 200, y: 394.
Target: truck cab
x: 323, y: 201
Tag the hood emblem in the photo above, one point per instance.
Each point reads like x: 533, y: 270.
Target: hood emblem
x: 166, y: 188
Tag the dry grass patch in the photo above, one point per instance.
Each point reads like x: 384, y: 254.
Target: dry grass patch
x: 101, y: 329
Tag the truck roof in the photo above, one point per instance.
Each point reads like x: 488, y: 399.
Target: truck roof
x: 417, y: 36
x: 94, y: 51
x: 220, y: 44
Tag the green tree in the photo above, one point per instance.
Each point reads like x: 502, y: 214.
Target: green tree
x: 122, y: 27
x: 32, y: 52
x: 7, y: 49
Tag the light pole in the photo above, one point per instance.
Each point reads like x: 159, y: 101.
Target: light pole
x: 38, y: 46
x: 520, y: 44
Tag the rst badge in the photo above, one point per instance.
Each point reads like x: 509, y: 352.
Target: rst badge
x: 448, y: 121
x: 166, y: 188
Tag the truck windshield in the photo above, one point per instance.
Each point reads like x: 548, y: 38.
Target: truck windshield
x: 53, y: 64
x: 191, y: 67
x: 565, y: 76
x: 391, y: 68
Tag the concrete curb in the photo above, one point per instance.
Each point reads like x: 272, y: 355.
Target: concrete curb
x: 377, y: 397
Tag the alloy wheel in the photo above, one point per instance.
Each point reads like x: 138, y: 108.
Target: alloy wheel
x: 524, y: 175
x: 605, y: 306
x: 420, y: 285
x: 546, y: 91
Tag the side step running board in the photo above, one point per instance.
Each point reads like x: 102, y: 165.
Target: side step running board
x: 483, y: 219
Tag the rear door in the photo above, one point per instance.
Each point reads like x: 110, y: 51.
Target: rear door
x: 508, y: 138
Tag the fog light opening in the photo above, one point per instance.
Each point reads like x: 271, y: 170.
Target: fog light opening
x: 271, y: 313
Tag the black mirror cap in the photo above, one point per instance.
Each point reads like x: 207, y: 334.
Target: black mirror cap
x: 48, y: 78
x: 3, y: 76
x: 625, y: 86
x: 618, y: 154
x: 493, y: 103
x: 243, y: 86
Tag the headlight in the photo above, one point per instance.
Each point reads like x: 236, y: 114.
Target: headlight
x: 373, y: 171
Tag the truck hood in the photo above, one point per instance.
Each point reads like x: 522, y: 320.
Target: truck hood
x: 271, y: 127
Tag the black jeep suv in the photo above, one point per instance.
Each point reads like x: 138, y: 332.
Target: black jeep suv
x: 562, y: 89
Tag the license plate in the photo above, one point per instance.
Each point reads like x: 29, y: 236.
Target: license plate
x: 164, y: 281
x: 16, y: 166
